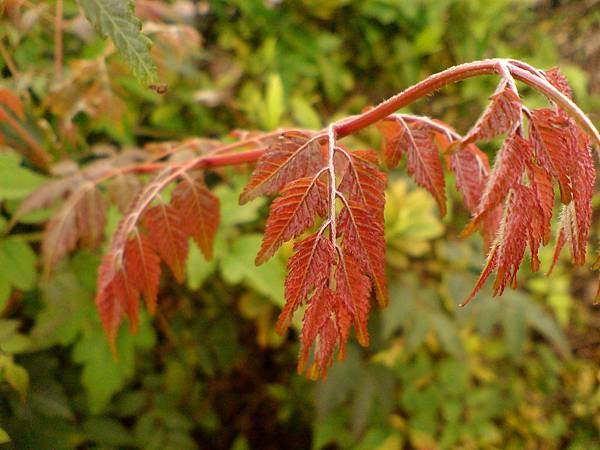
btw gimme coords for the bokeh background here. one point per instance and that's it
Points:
(208, 371)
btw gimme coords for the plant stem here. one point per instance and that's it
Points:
(58, 44)
(520, 71)
(38, 156)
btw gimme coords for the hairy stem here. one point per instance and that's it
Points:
(331, 170)
(520, 71)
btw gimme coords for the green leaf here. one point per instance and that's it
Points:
(17, 182)
(107, 431)
(304, 114)
(232, 213)
(17, 377)
(11, 341)
(102, 375)
(274, 100)
(4, 290)
(115, 19)
(237, 265)
(4, 437)
(18, 263)
(197, 268)
(447, 334)
(68, 306)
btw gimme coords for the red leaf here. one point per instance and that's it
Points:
(508, 169)
(293, 155)
(560, 242)
(143, 268)
(583, 179)
(499, 117)
(490, 265)
(198, 209)
(512, 239)
(109, 309)
(360, 221)
(472, 170)
(559, 81)
(292, 213)
(363, 238)
(165, 231)
(353, 291)
(541, 182)
(424, 163)
(363, 182)
(318, 321)
(550, 135)
(126, 295)
(396, 140)
(309, 268)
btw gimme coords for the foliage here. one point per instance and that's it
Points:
(117, 20)
(208, 370)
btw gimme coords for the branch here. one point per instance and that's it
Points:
(519, 70)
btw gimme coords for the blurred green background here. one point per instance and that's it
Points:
(208, 372)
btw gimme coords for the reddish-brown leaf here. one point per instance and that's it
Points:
(508, 169)
(561, 240)
(424, 163)
(294, 155)
(123, 189)
(549, 132)
(499, 117)
(125, 294)
(360, 222)
(91, 217)
(363, 182)
(165, 231)
(143, 268)
(541, 183)
(512, 239)
(60, 235)
(318, 321)
(308, 269)
(396, 140)
(490, 265)
(559, 81)
(471, 169)
(363, 238)
(292, 214)
(109, 309)
(353, 291)
(583, 179)
(198, 209)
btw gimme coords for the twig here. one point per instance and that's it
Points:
(58, 38)
(8, 59)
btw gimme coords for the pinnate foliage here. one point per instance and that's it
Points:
(115, 19)
(330, 200)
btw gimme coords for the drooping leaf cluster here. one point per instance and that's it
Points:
(331, 202)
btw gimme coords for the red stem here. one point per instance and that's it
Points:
(406, 97)
(229, 159)
(520, 71)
